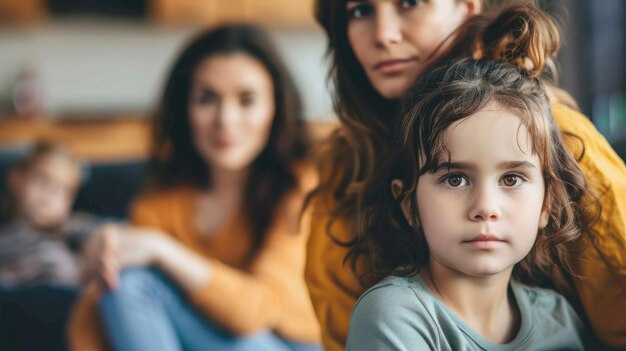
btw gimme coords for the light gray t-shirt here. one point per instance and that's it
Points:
(401, 313)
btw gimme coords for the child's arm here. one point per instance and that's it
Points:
(390, 317)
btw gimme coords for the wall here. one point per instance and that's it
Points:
(96, 66)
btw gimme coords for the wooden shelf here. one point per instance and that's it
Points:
(108, 138)
(22, 11)
(212, 12)
(297, 13)
(99, 140)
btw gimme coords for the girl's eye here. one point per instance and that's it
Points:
(359, 11)
(409, 3)
(454, 181)
(511, 180)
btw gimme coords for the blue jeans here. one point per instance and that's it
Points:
(148, 312)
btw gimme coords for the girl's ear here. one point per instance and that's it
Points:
(544, 218)
(396, 190)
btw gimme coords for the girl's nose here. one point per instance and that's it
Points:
(485, 205)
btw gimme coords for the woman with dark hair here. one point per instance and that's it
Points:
(378, 48)
(218, 255)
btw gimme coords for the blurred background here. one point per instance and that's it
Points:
(88, 73)
(110, 56)
(592, 61)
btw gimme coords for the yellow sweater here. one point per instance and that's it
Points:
(268, 293)
(334, 288)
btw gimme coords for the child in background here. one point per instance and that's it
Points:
(38, 233)
(484, 196)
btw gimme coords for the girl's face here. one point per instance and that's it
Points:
(46, 191)
(481, 212)
(231, 108)
(394, 39)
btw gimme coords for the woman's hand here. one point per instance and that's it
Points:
(141, 247)
(114, 247)
(100, 256)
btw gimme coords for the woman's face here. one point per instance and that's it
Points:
(394, 39)
(231, 108)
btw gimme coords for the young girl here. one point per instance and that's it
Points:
(484, 193)
(378, 48)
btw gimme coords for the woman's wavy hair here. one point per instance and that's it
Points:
(450, 93)
(357, 154)
(351, 153)
(174, 158)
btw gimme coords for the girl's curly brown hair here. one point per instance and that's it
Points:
(452, 92)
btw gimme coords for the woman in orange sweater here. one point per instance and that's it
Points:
(216, 259)
(378, 48)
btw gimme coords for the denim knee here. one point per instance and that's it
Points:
(140, 282)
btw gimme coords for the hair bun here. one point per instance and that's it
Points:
(521, 35)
